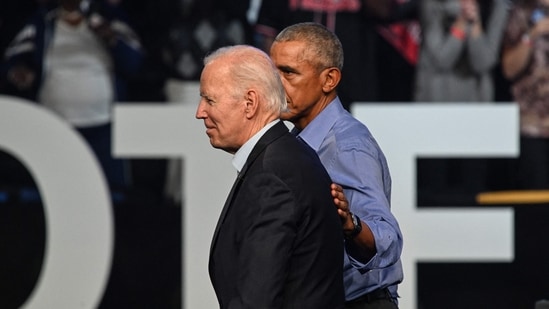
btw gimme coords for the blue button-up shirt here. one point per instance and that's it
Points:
(354, 160)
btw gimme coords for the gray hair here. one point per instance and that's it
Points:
(324, 44)
(251, 67)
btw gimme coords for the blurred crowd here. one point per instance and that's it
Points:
(436, 51)
(176, 34)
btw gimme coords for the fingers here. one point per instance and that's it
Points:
(337, 191)
(339, 198)
(335, 186)
(342, 206)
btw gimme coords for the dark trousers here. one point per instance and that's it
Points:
(100, 140)
(374, 304)
(378, 299)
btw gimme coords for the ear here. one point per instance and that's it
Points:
(252, 103)
(331, 77)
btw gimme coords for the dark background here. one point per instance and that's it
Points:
(146, 271)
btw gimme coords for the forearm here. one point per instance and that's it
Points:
(483, 54)
(485, 43)
(361, 246)
(367, 191)
(378, 245)
(516, 58)
(443, 46)
(19, 67)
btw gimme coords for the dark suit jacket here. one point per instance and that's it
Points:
(278, 242)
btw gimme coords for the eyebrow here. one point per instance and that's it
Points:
(286, 68)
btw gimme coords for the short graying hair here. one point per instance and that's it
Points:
(324, 44)
(251, 67)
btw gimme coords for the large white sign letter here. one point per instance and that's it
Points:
(79, 223)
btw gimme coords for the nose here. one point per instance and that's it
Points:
(200, 112)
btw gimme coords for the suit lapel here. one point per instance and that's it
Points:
(225, 209)
(272, 134)
(277, 131)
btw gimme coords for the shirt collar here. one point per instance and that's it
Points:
(313, 134)
(242, 154)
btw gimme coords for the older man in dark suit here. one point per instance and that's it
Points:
(278, 242)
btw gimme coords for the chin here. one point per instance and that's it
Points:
(213, 143)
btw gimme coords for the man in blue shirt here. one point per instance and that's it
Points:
(310, 59)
